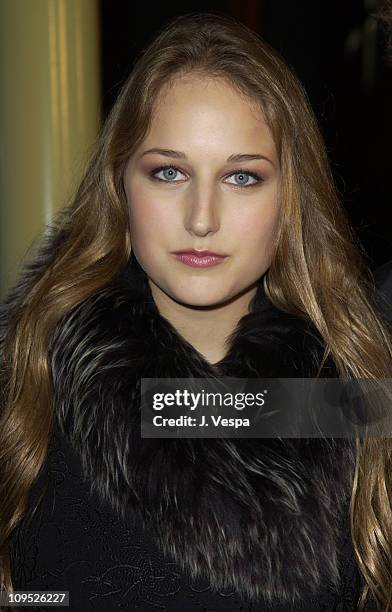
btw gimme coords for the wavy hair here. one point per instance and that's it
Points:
(318, 271)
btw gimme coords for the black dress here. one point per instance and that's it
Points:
(76, 543)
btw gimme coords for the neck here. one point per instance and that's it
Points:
(206, 328)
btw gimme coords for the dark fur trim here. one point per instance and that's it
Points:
(262, 516)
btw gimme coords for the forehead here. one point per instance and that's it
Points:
(208, 113)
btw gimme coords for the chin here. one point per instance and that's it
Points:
(201, 298)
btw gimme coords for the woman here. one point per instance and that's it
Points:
(212, 146)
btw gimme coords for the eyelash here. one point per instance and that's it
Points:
(254, 175)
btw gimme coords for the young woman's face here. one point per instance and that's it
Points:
(204, 199)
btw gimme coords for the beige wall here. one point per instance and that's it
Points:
(49, 114)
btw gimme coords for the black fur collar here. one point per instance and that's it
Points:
(260, 516)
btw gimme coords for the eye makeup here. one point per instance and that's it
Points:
(257, 178)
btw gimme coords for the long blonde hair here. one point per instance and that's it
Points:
(318, 270)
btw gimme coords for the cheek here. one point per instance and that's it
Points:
(148, 219)
(257, 228)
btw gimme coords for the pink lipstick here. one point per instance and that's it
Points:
(199, 259)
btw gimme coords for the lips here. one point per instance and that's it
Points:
(199, 259)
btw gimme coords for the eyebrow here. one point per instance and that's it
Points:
(238, 157)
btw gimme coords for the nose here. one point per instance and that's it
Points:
(202, 213)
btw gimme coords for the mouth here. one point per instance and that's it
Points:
(199, 259)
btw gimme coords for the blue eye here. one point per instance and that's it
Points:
(243, 178)
(169, 173)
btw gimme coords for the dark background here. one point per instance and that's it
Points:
(337, 48)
